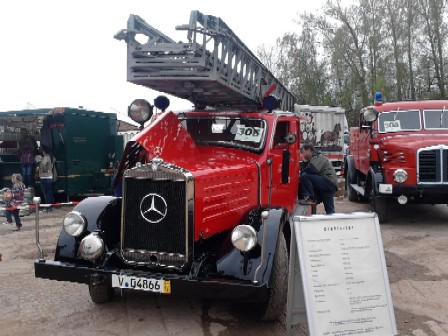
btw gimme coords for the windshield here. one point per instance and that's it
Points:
(238, 132)
(436, 119)
(399, 121)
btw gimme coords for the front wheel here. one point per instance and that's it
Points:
(351, 193)
(101, 293)
(351, 178)
(276, 304)
(379, 205)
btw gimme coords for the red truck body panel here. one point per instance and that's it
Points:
(228, 182)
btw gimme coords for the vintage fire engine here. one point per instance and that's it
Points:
(399, 152)
(205, 196)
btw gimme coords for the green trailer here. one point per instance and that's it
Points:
(85, 143)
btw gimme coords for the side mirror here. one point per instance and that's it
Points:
(290, 138)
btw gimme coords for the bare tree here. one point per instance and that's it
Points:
(432, 14)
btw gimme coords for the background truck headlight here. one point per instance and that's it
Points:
(400, 175)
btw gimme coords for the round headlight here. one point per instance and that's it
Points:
(74, 223)
(140, 111)
(244, 237)
(400, 175)
(370, 115)
(91, 247)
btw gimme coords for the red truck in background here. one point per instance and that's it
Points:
(399, 153)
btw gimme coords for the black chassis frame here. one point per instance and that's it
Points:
(236, 271)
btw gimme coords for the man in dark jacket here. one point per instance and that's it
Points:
(318, 179)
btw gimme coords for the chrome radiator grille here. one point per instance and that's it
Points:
(155, 220)
(433, 165)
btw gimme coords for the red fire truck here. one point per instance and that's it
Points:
(205, 196)
(399, 153)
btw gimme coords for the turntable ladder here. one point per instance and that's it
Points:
(214, 68)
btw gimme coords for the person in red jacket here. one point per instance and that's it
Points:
(13, 198)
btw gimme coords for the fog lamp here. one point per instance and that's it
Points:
(91, 247)
(400, 175)
(74, 223)
(402, 199)
(244, 237)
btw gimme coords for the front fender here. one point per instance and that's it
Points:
(102, 213)
(377, 179)
(242, 266)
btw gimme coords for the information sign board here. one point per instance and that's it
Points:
(344, 275)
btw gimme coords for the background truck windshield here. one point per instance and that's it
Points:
(436, 119)
(399, 121)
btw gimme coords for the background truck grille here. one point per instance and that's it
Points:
(433, 165)
(159, 239)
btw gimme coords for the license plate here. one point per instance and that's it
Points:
(385, 188)
(138, 283)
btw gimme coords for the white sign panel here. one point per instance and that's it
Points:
(344, 275)
(392, 126)
(249, 133)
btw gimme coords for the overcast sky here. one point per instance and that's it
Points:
(62, 53)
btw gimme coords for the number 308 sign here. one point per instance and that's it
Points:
(249, 133)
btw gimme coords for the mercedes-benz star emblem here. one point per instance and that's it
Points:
(153, 208)
(157, 151)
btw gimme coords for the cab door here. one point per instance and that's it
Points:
(284, 169)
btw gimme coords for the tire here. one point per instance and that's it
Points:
(101, 293)
(275, 306)
(379, 205)
(351, 193)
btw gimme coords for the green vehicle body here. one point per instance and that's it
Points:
(85, 143)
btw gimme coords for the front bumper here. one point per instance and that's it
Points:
(423, 193)
(180, 284)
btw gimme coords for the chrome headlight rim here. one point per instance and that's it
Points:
(91, 247)
(74, 223)
(244, 237)
(400, 175)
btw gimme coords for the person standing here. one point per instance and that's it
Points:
(27, 151)
(318, 179)
(13, 198)
(46, 176)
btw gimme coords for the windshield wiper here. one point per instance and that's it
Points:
(396, 113)
(441, 117)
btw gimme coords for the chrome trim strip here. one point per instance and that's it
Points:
(439, 148)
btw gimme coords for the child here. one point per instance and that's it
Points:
(13, 198)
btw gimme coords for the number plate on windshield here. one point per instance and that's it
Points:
(145, 284)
